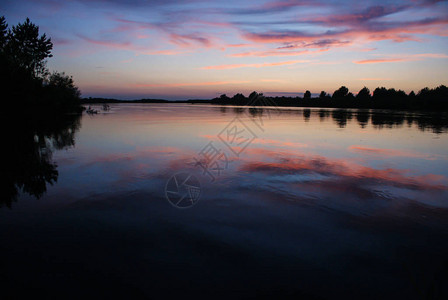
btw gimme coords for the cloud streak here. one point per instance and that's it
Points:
(378, 60)
(262, 65)
(187, 84)
(401, 58)
(232, 35)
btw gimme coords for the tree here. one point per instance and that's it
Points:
(61, 93)
(24, 77)
(363, 94)
(379, 93)
(239, 99)
(424, 92)
(307, 95)
(3, 32)
(322, 94)
(27, 49)
(253, 96)
(64, 82)
(224, 98)
(341, 92)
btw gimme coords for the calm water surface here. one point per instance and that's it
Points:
(311, 203)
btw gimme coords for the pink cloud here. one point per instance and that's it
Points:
(368, 49)
(238, 45)
(431, 55)
(401, 58)
(235, 66)
(350, 27)
(374, 79)
(164, 52)
(130, 46)
(190, 84)
(108, 44)
(277, 52)
(187, 40)
(271, 80)
(378, 60)
(126, 61)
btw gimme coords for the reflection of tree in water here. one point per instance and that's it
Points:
(379, 119)
(426, 121)
(306, 114)
(323, 114)
(363, 116)
(340, 116)
(388, 120)
(256, 112)
(223, 109)
(436, 122)
(28, 164)
(238, 110)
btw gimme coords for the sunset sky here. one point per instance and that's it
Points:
(201, 49)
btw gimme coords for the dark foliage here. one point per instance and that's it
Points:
(25, 81)
(3, 31)
(323, 95)
(307, 95)
(340, 93)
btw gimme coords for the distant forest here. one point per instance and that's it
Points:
(435, 99)
(425, 99)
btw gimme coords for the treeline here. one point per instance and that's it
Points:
(25, 82)
(425, 99)
(91, 100)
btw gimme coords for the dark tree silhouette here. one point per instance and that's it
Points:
(224, 98)
(426, 99)
(24, 78)
(307, 95)
(60, 80)
(363, 94)
(3, 32)
(253, 96)
(322, 95)
(389, 98)
(239, 98)
(340, 93)
(27, 49)
(434, 98)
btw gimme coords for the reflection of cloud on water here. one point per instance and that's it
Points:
(393, 152)
(314, 177)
